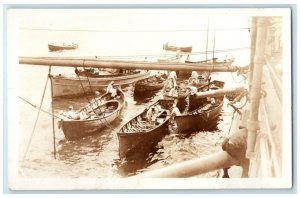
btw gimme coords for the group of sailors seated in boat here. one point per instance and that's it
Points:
(172, 87)
(71, 114)
(154, 112)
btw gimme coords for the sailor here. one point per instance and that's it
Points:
(151, 115)
(171, 81)
(96, 71)
(193, 90)
(194, 78)
(211, 100)
(110, 89)
(173, 128)
(71, 114)
(158, 108)
(97, 93)
(175, 111)
(83, 115)
(173, 92)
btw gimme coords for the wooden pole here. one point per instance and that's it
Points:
(255, 92)
(53, 127)
(71, 62)
(194, 167)
(252, 52)
(220, 92)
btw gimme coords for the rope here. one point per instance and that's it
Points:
(166, 30)
(92, 105)
(36, 119)
(238, 98)
(110, 126)
(151, 55)
(239, 73)
(38, 107)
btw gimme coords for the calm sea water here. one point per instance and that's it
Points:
(97, 156)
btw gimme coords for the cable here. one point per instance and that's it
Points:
(96, 100)
(146, 55)
(91, 104)
(33, 105)
(166, 30)
(30, 139)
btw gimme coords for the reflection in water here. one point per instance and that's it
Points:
(144, 97)
(182, 145)
(72, 152)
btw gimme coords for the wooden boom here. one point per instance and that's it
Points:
(72, 62)
(220, 92)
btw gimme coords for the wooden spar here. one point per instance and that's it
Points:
(255, 92)
(220, 92)
(253, 41)
(193, 167)
(52, 108)
(72, 62)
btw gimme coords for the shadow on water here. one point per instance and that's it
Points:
(137, 161)
(172, 144)
(145, 97)
(72, 152)
(134, 163)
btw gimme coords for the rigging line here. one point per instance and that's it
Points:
(24, 157)
(33, 105)
(97, 101)
(146, 55)
(214, 44)
(171, 55)
(91, 105)
(95, 30)
(207, 39)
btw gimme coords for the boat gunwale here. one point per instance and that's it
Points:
(203, 113)
(76, 78)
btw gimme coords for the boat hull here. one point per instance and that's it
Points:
(202, 121)
(150, 84)
(187, 49)
(141, 141)
(62, 47)
(77, 129)
(130, 143)
(73, 86)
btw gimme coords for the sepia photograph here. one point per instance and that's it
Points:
(177, 98)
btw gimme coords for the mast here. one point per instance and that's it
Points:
(214, 41)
